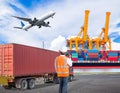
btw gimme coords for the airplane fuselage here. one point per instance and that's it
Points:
(44, 17)
(36, 22)
(26, 27)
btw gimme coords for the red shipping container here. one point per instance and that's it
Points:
(74, 59)
(104, 54)
(112, 58)
(92, 56)
(69, 51)
(20, 60)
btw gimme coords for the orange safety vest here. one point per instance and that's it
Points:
(62, 67)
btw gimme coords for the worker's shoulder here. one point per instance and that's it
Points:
(62, 56)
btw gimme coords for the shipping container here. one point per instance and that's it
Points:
(119, 58)
(18, 60)
(74, 59)
(92, 56)
(20, 65)
(112, 58)
(81, 58)
(93, 51)
(98, 59)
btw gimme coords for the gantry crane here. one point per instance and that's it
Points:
(82, 36)
(103, 39)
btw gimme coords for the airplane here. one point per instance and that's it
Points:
(35, 22)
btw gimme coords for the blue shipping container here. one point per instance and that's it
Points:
(73, 51)
(112, 54)
(94, 51)
(80, 56)
(80, 59)
(119, 59)
(93, 59)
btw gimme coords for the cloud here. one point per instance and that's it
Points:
(72, 18)
(67, 21)
(4, 9)
(15, 8)
(58, 43)
(115, 46)
(114, 34)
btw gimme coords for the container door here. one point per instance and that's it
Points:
(6, 60)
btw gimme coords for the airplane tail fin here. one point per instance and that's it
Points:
(22, 24)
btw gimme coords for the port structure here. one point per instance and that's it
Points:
(82, 37)
(102, 41)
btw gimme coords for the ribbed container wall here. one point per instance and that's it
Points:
(6, 60)
(93, 55)
(81, 55)
(103, 55)
(26, 60)
(113, 55)
(93, 51)
(74, 56)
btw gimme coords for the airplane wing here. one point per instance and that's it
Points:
(25, 19)
(18, 27)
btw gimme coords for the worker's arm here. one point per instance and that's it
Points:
(69, 62)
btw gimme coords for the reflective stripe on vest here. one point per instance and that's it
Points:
(62, 67)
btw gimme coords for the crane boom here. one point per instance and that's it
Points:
(86, 25)
(82, 38)
(106, 26)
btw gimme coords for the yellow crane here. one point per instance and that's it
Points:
(103, 39)
(82, 36)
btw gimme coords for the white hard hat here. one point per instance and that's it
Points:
(64, 49)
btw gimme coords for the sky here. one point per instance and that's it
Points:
(66, 22)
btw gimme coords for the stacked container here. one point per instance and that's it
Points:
(113, 55)
(81, 55)
(93, 55)
(119, 56)
(103, 55)
(74, 55)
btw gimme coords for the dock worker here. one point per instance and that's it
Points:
(62, 65)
